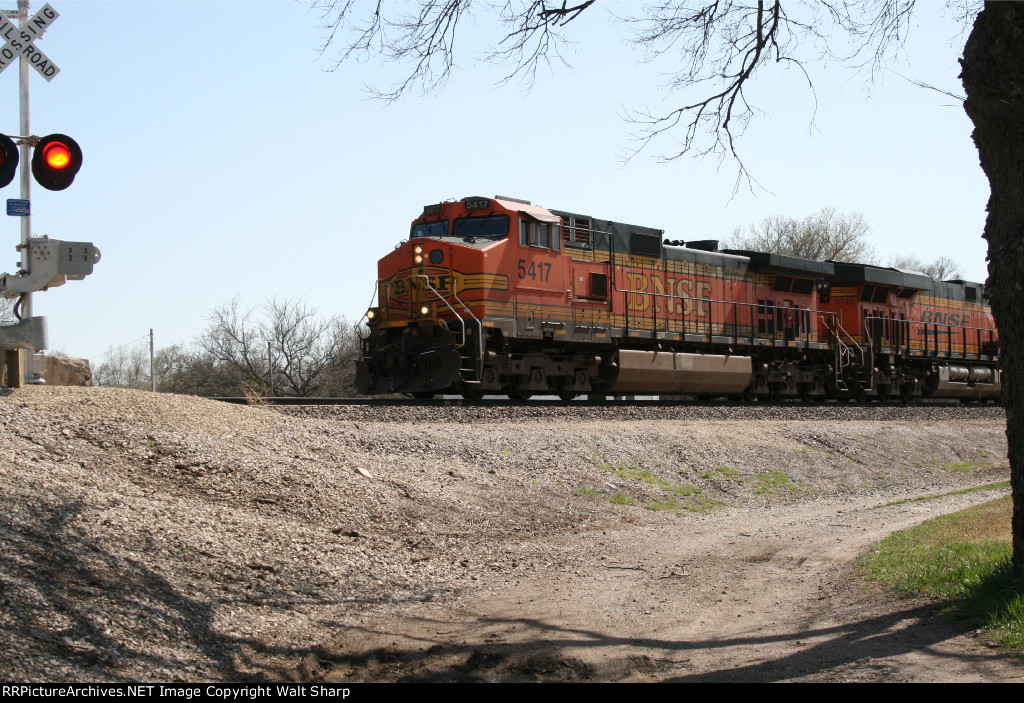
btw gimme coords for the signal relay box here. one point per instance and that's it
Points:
(52, 262)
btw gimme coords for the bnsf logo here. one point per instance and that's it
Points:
(441, 280)
(953, 319)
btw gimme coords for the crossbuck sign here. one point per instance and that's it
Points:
(19, 42)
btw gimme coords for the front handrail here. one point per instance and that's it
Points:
(478, 367)
(462, 322)
(376, 292)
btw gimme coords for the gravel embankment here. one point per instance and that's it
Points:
(156, 537)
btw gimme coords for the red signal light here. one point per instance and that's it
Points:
(57, 155)
(56, 161)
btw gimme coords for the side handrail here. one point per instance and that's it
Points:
(938, 330)
(733, 303)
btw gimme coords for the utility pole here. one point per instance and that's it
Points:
(26, 150)
(270, 367)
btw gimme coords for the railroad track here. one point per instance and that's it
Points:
(584, 403)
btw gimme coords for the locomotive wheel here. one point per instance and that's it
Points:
(515, 394)
(567, 395)
(470, 391)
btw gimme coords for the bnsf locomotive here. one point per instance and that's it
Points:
(498, 296)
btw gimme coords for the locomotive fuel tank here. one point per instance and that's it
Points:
(674, 373)
(967, 382)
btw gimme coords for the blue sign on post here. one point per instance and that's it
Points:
(18, 208)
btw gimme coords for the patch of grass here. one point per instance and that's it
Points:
(620, 499)
(728, 472)
(681, 490)
(632, 472)
(773, 482)
(967, 466)
(962, 559)
(701, 505)
(962, 491)
(960, 467)
(586, 491)
(664, 505)
(722, 472)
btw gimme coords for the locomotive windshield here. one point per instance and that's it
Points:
(491, 227)
(430, 229)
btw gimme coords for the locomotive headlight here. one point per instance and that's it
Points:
(417, 249)
(371, 314)
(425, 310)
(418, 259)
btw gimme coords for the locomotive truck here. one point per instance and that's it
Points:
(498, 296)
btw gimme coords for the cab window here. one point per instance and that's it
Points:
(491, 227)
(430, 229)
(543, 235)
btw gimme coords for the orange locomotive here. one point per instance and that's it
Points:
(498, 296)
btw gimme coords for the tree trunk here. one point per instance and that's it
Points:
(993, 77)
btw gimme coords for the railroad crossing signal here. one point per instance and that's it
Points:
(55, 161)
(19, 42)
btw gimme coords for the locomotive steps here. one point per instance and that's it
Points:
(159, 537)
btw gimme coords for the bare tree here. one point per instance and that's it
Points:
(283, 344)
(192, 371)
(721, 47)
(423, 35)
(827, 235)
(717, 49)
(123, 367)
(942, 269)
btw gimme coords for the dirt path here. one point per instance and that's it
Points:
(752, 595)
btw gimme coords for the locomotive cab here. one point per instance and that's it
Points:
(433, 293)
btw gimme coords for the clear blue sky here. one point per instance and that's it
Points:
(222, 158)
